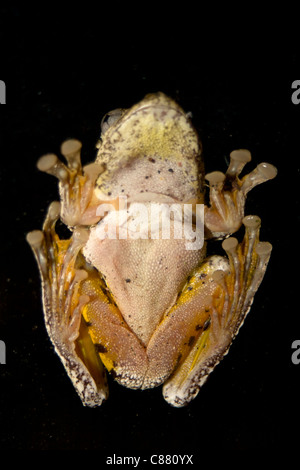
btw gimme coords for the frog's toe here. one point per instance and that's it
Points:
(63, 306)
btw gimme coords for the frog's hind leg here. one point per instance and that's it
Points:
(228, 193)
(63, 304)
(228, 305)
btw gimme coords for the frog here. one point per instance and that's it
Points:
(144, 311)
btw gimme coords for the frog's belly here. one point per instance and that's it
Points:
(144, 276)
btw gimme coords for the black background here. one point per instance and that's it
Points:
(61, 78)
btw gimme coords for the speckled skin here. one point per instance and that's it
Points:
(154, 138)
(149, 311)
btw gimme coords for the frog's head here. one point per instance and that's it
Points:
(149, 148)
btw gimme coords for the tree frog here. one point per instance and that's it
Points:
(149, 310)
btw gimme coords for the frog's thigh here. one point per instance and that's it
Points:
(182, 326)
(229, 305)
(120, 350)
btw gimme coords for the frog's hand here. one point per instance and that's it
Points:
(76, 184)
(229, 306)
(63, 305)
(228, 193)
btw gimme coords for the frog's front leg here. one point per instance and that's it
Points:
(228, 305)
(228, 193)
(60, 265)
(76, 184)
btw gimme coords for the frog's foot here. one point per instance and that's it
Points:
(229, 304)
(228, 193)
(61, 279)
(76, 183)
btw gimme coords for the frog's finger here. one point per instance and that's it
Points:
(76, 183)
(229, 306)
(228, 193)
